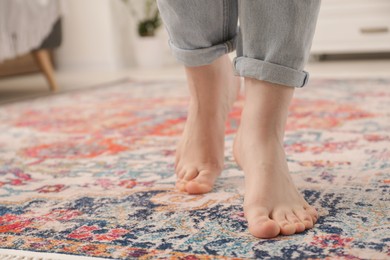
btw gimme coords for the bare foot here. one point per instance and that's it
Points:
(200, 152)
(272, 203)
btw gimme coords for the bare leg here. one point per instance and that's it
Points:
(199, 156)
(272, 204)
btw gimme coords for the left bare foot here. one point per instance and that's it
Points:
(272, 203)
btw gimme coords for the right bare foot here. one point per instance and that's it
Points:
(200, 152)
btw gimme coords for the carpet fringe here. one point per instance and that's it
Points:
(11, 254)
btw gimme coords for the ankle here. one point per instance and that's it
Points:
(208, 112)
(266, 95)
(214, 71)
(262, 124)
(265, 141)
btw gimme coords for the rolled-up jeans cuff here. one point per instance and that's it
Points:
(271, 72)
(202, 56)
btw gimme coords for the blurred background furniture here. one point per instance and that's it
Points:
(29, 31)
(43, 57)
(352, 27)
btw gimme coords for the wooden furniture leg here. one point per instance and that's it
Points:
(42, 57)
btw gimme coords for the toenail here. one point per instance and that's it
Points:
(300, 225)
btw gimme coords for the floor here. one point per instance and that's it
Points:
(33, 85)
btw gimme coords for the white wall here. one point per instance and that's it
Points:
(100, 35)
(87, 36)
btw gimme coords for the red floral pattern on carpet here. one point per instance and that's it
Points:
(90, 173)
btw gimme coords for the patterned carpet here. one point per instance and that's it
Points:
(91, 173)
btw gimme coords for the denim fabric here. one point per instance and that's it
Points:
(272, 41)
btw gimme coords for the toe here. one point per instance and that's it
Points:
(264, 227)
(202, 183)
(286, 227)
(313, 213)
(194, 187)
(190, 174)
(181, 173)
(180, 185)
(299, 226)
(259, 223)
(304, 217)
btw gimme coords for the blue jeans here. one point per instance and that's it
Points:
(272, 41)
